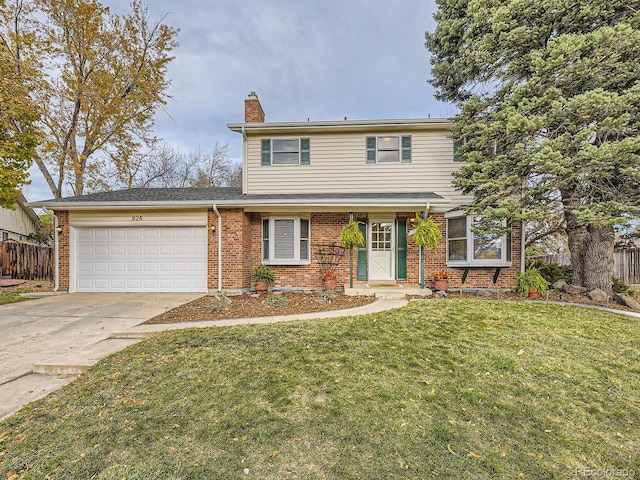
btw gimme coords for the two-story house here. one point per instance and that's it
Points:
(302, 182)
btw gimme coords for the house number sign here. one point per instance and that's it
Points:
(136, 218)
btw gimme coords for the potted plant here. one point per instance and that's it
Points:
(441, 279)
(530, 283)
(351, 237)
(425, 232)
(330, 277)
(263, 276)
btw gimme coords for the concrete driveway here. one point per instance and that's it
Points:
(62, 335)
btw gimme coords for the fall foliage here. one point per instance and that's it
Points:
(101, 79)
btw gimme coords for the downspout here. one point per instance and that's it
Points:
(244, 162)
(219, 230)
(56, 247)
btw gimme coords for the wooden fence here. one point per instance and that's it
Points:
(626, 263)
(26, 261)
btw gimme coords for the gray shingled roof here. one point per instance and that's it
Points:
(155, 195)
(226, 195)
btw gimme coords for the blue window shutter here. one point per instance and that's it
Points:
(406, 149)
(305, 150)
(371, 149)
(362, 252)
(266, 151)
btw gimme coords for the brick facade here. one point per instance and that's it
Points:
(326, 228)
(63, 249)
(242, 250)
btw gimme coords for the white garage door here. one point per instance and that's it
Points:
(146, 259)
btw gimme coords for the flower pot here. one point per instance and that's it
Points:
(330, 284)
(261, 286)
(534, 293)
(441, 284)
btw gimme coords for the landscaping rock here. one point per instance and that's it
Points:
(254, 295)
(598, 295)
(484, 293)
(574, 289)
(559, 284)
(441, 294)
(626, 300)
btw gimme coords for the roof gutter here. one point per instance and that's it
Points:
(219, 230)
(243, 202)
(56, 242)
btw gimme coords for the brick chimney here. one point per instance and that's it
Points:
(253, 112)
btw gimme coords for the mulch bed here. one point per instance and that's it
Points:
(10, 283)
(16, 285)
(246, 306)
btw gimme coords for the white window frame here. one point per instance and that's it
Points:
(381, 150)
(269, 258)
(274, 153)
(506, 256)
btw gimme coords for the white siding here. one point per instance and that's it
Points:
(16, 222)
(338, 165)
(138, 218)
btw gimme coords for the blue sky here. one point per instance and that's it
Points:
(312, 59)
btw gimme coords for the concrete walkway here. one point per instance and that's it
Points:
(49, 341)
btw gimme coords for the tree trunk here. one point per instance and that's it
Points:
(599, 262)
(577, 238)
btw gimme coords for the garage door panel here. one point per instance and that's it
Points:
(142, 259)
(134, 267)
(102, 235)
(99, 267)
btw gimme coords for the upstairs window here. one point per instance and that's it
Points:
(468, 248)
(285, 241)
(285, 151)
(389, 149)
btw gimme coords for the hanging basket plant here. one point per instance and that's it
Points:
(351, 236)
(426, 232)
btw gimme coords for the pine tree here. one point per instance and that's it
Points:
(549, 97)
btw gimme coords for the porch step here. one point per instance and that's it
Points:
(388, 292)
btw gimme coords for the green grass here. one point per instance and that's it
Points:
(439, 389)
(11, 297)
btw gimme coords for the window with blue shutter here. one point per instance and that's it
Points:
(286, 241)
(389, 149)
(286, 151)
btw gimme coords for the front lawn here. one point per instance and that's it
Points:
(439, 389)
